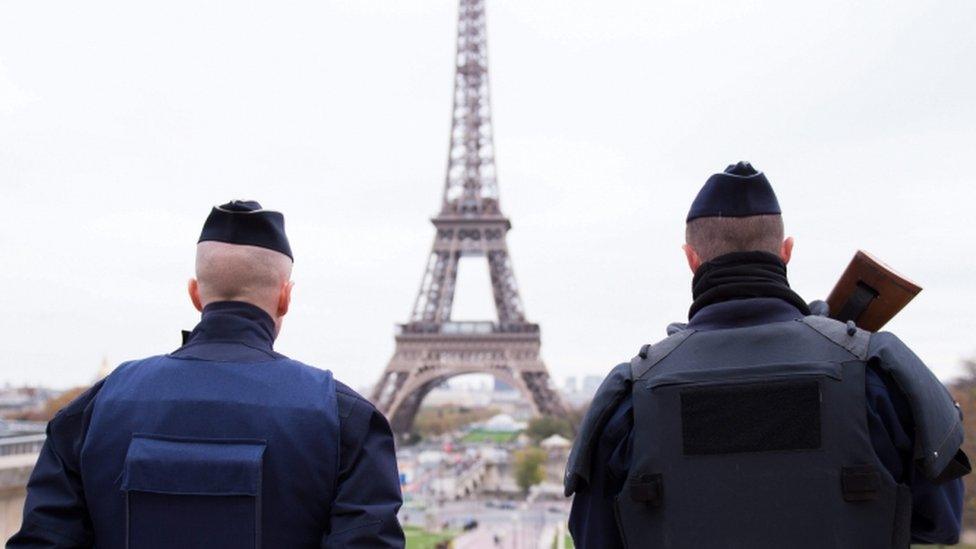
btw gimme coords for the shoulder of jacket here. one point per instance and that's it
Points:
(614, 389)
(78, 405)
(650, 354)
(349, 400)
(843, 334)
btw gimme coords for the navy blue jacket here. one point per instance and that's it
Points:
(936, 509)
(224, 439)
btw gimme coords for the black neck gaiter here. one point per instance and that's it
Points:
(742, 275)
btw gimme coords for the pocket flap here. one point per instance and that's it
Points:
(193, 466)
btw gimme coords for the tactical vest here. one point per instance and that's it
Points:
(204, 454)
(757, 437)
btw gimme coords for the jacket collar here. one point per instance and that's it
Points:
(741, 313)
(234, 322)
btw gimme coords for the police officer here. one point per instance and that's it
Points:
(758, 424)
(224, 442)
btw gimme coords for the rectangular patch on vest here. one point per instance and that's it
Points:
(751, 417)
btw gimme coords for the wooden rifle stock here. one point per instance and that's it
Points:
(870, 293)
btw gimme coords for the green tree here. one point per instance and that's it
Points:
(529, 467)
(54, 405)
(437, 420)
(546, 426)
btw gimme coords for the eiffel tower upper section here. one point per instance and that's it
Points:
(470, 189)
(470, 221)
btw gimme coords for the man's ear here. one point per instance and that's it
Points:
(786, 250)
(694, 261)
(194, 290)
(284, 298)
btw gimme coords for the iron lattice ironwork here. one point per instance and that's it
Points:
(431, 348)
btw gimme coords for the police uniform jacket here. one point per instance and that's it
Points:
(222, 443)
(936, 508)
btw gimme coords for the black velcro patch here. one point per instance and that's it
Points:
(753, 417)
(647, 488)
(860, 483)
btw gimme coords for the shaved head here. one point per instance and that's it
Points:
(234, 272)
(715, 236)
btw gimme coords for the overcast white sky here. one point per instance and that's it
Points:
(121, 123)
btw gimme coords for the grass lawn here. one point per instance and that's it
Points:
(478, 435)
(418, 538)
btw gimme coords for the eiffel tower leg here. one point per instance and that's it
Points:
(402, 417)
(447, 287)
(388, 388)
(547, 402)
(423, 360)
(508, 303)
(426, 306)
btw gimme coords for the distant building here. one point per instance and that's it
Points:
(557, 451)
(578, 391)
(446, 395)
(556, 443)
(503, 423)
(570, 386)
(24, 402)
(591, 384)
(502, 387)
(15, 399)
(14, 427)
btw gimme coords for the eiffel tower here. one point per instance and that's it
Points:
(431, 348)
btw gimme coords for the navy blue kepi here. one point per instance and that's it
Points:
(739, 191)
(246, 222)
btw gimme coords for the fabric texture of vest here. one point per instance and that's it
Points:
(758, 437)
(184, 452)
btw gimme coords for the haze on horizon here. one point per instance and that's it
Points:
(121, 124)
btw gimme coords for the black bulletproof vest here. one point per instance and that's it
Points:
(757, 437)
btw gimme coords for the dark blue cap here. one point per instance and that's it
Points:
(246, 222)
(739, 191)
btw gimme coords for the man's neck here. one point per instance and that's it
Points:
(270, 311)
(242, 329)
(213, 312)
(742, 275)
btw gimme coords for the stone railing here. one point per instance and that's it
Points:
(15, 470)
(23, 444)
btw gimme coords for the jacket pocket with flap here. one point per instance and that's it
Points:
(193, 492)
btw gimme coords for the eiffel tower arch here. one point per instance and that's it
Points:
(431, 347)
